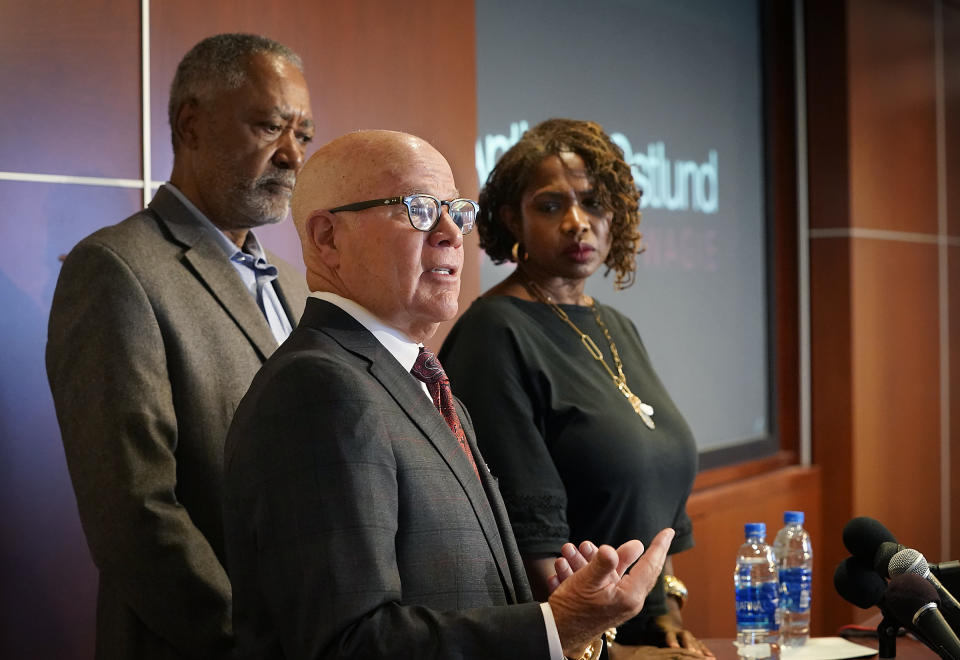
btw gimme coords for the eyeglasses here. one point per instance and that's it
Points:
(424, 210)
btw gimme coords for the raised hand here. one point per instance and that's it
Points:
(598, 595)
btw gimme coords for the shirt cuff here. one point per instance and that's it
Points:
(553, 637)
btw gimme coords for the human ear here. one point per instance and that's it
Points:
(512, 220)
(186, 124)
(321, 227)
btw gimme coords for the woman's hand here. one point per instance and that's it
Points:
(669, 631)
(621, 652)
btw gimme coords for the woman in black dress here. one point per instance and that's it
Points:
(569, 412)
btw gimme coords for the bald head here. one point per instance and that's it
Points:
(409, 279)
(356, 167)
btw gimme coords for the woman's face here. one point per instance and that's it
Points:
(565, 230)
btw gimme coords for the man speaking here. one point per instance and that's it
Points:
(361, 521)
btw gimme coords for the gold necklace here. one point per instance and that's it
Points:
(645, 410)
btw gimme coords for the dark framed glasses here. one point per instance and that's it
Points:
(424, 210)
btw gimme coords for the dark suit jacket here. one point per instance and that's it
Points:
(355, 525)
(153, 340)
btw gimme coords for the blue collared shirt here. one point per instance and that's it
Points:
(251, 264)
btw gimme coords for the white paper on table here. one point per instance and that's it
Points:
(826, 648)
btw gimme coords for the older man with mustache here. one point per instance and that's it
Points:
(158, 325)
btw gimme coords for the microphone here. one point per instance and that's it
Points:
(914, 602)
(858, 583)
(881, 560)
(911, 562)
(862, 536)
(869, 540)
(949, 573)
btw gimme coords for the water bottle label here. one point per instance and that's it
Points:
(795, 589)
(757, 607)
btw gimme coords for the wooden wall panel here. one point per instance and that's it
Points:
(875, 310)
(71, 85)
(893, 165)
(953, 261)
(951, 80)
(718, 516)
(832, 399)
(896, 402)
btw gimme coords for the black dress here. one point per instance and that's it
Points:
(574, 461)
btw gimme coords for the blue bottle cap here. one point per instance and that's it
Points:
(793, 517)
(755, 529)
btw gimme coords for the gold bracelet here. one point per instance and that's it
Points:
(593, 649)
(675, 587)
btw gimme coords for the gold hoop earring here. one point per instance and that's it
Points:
(515, 253)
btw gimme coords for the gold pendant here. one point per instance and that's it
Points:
(645, 410)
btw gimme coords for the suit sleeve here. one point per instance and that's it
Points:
(315, 485)
(108, 374)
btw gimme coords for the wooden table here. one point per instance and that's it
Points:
(907, 648)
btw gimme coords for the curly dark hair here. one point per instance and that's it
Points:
(604, 161)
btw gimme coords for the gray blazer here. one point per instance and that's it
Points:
(355, 525)
(153, 340)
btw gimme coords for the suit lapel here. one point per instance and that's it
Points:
(210, 265)
(503, 545)
(403, 388)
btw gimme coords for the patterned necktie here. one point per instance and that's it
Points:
(427, 369)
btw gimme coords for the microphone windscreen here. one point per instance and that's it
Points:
(862, 536)
(908, 593)
(906, 561)
(881, 560)
(857, 582)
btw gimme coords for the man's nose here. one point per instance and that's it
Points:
(290, 151)
(446, 233)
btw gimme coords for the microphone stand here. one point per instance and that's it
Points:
(887, 636)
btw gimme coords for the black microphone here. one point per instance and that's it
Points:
(911, 562)
(881, 559)
(949, 573)
(869, 540)
(857, 582)
(914, 602)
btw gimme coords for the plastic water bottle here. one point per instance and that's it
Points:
(757, 589)
(795, 563)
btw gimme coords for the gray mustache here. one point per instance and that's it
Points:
(282, 177)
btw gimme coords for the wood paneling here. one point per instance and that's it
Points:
(896, 385)
(953, 260)
(893, 165)
(832, 399)
(875, 303)
(951, 80)
(71, 87)
(718, 516)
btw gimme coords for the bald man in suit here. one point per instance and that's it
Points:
(361, 521)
